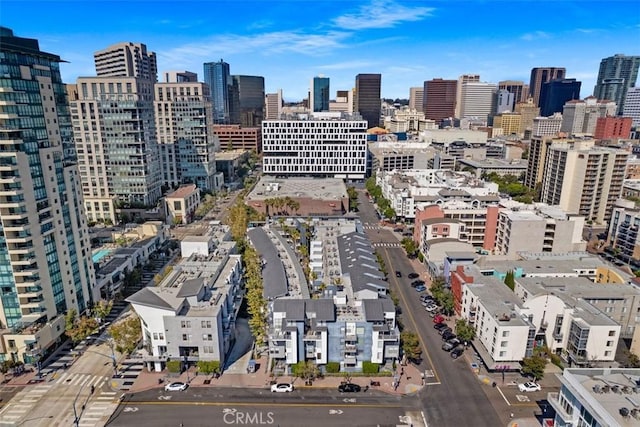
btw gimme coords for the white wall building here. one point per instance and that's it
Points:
(547, 125)
(478, 100)
(580, 116)
(321, 144)
(632, 105)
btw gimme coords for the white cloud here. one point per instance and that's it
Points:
(282, 42)
(536, 35)
(347, 65)
(381, 14)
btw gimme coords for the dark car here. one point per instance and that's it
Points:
(417, 283)
(457, 352)
(413, 275)
(443, 330)
(448, 336)
(349, 388)
(440, 326)
(398, 230)
(398, 273)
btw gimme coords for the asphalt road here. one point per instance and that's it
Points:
(453, 395)
(252, 407)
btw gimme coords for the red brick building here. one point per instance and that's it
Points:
(239, 138)
(613, 128)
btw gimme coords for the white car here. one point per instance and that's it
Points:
(282, 388)
(529, 387)
(175, 387)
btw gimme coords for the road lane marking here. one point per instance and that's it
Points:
(282, 404)
(504, 397)
(413, 320)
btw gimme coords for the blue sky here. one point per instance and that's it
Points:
(291, 41)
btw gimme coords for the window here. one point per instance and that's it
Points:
(607, 353)
(609, 343)
(505, 334)
(161, 336)
(207, 349)
(205, 324)
(186, 337)
(504, 343)
(155, 335)
(503, 353)
(185, 324)
(612, 333)
(207, 337)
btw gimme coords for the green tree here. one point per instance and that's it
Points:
(510, 280)
(390, 213)
(534, 366)
(447, 302)
(126, 334)
(256, 303)
(81, 328)
(410, 345)
(102, 309)
(70, 318)
(306, 370)
(464, 330)
(409, 246)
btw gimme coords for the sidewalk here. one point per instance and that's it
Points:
(410, 382)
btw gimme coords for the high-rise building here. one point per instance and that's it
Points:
(186, 141)
(440, 99)
(541, 75)
(613, 128)
(632, 105)
(343, 102)
(508, 122)
(465, 78)
(537, 155)
(519, 90)
(504, 101)
(45, 252)
(477, 100)
(319, 96)
(528, 111)
(273, 105)
(617, 74)
(126, 60)
(556, 93)
(584, 181)
(246, 100)
(547, 125)
(580, 116)
(416, 99)
(367, 98)
(218, 79)
(115, 136)
(324, 144)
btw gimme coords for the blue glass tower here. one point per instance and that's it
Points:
(320, 94)
(218, 78)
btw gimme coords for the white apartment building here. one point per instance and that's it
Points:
(126, 60)
(543, 126)
(191, 314)
(320, 144)
(539, 228)
(478, 100)
(585, 181)
(464, 78)
(580, 117)
(186, 139)
(182, 204)
(632, 105)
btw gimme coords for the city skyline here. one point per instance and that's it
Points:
(288, 44)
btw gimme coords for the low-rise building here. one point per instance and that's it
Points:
(624, 229)
(306, 197)
(182, 204)
(597, 397)
(191, 315)
(498, 166)
(231, 162)
(237, 137)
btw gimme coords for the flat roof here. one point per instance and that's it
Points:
(273, 275)
(230, 154)
(314, 188)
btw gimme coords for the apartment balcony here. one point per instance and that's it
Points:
(554, 401)
(558, 336)
(20, 261)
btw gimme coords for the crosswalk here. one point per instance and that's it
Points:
(386, 245)
(94, 413)
(80, 380)
(372, 227)
(22, 403)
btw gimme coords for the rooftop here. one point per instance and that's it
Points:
(314, 188)
(273, 274)
(183, 191)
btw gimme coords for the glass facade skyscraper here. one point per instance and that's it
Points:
(45, 252)
(218, 78)
(367, 99)
(319, 94)
(247, 101)
(617, 74)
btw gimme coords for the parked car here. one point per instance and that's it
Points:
(457, 352)
(443, 330)
(439, 326)
(417, 283)
(420, 288)
(450, 345)
(448, 336)
(398, 230)
(431, 307)
(398, 273)
(282, 388)
(438, 318)
(426, 298)
(175, 387)
(349, 388)
(529, 386)
(413, 275)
